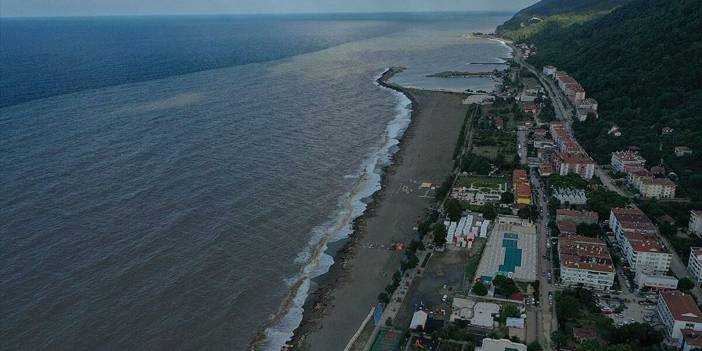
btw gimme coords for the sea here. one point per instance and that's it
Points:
(173, 183)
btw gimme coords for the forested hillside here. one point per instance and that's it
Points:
(535, 18)
(642, 63)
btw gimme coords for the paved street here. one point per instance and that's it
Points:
(546, 315)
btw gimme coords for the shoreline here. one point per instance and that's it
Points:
(321, 298)
(340, 250)
(318, 298)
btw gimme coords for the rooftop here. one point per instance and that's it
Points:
(682, 306)
(581, 252)
(628, 156)
(578, 214)
(567, 227)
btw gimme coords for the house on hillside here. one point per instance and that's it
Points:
(681, 151)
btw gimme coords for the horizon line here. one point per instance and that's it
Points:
(258, 14)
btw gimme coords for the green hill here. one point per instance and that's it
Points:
(642, 63)
(563, 13)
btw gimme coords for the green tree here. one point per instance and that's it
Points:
(559, 338)
(508, 311)
(479, 289)
(524, 212)
(507, 197)
(592, 230)
(534, 346)
(440, 234)
(454, 210)
(489, 212)
(686, 284)
(505, 286)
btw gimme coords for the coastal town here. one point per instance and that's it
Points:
(532, 245)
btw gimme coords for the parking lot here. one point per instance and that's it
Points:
(629, 308)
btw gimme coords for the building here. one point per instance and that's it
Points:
(583, 112)
(500, 345)
(655, 281)
(694, 264)
(657, 188)
(585, 261)
(463, 233)
(484, 314)
(578, 217)
(644, 252)
(499, 123)
(622, 159)
(678, 311)
(695, 225)
(578, 162)
(629, 220)
(521, 187)
(692, 340)
(567, 227)
(681, 151)
(419, 320)
(533, 108)
(588, 103)
(582, 335)
(570, 196)
(549, 71)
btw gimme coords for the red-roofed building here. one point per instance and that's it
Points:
(622, 159)
(694, 264)
(578, 162)
(678, 311)
(692, 340)
(585, 261)
(695, 224)
(567, 227)
(587, 217)
(657, 188)
(644, 252)
(533, 108)
(521, 187)
(582, 335)
(499, 123)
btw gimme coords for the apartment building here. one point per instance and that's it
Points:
(585, 261)
(678, 311)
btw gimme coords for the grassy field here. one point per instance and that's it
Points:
(482, 182)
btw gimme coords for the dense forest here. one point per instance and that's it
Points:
(642, 63)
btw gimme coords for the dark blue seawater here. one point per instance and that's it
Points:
(168, 183)
(46, 57)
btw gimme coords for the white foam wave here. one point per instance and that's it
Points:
(351, 206)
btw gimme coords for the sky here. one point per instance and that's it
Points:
(21, 8)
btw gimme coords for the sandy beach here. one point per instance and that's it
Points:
(362, 268)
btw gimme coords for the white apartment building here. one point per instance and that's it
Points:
(695, 225)
(694, 264)
(678, 311)
(657, 188)
(643, 252)
(630, 220)
(621, 159)
(585, 261)
(549, 70)
(655, 280)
